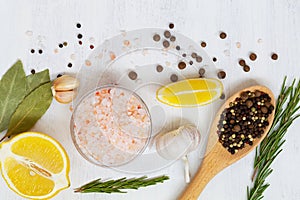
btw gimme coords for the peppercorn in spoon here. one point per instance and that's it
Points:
(239, 126)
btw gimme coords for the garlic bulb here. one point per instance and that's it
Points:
(64, 88)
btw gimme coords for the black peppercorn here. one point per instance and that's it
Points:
(79, 36)
(244, 120)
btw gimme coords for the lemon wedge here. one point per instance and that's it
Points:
(34, 165)
(190, 92)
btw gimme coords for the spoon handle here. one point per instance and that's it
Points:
(212, 164)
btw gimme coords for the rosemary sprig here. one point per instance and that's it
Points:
(286, 112)
(116, 186)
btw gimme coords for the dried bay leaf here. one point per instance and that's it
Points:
(30, 110)
(12, 92)
(36, 80)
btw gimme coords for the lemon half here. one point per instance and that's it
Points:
(34, 165)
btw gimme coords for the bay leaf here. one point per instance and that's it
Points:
(36, 80)
(30, 110)
(12, 92)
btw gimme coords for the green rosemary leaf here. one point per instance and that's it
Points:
(286, 113)
(117, 186)
(13, 88)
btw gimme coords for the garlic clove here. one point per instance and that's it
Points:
(65, 83)
(65, 96)
(177, 143)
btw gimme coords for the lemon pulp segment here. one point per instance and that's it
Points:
(39, 151)
(27, 181)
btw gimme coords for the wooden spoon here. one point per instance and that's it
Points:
(218, 157)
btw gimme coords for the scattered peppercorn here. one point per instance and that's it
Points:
(221, 74)
(222, 96)
(166, 43)
(79, 36)
(174, 78)
(78, 25)
(132, 75)
(69, 65)
(246, 68)
(194, 55)
(244, 120)
(199, 59)
(40, 51)
(32, 71)
(191, 62)
(252, 56)
(183, 55)
(214, 59)
(274, 56)
(177, 48)
(167, 34)
(242, 62)
(171, 25)
(223, 35)
(159, 68)
(80, 42)
(58, 75)
(60, 45)
(91, 46)
(32, 50)
(181, 65)
(201, 71)
(156, 37)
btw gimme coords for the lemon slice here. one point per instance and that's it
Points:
(34, 165)
(190, 92)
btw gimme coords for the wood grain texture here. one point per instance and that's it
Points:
(259, 26)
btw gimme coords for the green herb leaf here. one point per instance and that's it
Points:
(13, 90)
(117, 186)
(36, 80)
(286, 112)
(30, 110)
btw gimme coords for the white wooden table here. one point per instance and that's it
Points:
(259, 26)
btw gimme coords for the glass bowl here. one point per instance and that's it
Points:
(111, 126)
